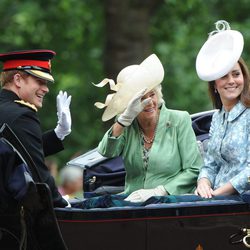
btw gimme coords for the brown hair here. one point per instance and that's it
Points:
(245, 94)
(7, 76)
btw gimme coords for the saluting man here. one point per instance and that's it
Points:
(25, 81)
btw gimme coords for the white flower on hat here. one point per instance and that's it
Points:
(220, 25)
(219, 53)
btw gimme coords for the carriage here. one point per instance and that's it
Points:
(181, 222)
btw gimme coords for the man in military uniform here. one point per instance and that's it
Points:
(25, 82)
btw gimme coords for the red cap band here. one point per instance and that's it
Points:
(13, 64)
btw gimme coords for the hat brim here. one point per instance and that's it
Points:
(219, 54)
(40, 74)
(149, 74)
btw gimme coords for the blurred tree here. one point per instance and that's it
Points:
(127, 33)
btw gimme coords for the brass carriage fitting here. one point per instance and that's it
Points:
(245, 239)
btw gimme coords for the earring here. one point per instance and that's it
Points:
(215, 90)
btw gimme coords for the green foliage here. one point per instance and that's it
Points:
(76, 31)
(178, 30)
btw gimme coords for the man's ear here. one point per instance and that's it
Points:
(17, 79)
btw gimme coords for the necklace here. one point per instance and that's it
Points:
(146, 149)
(147, 140)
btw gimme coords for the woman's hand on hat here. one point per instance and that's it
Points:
(135, 106)
(63, 127)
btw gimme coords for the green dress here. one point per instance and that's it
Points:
(174, 159)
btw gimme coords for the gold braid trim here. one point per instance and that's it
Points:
(32, 106)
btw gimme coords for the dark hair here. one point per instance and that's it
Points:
(7, 76)
(245, 94)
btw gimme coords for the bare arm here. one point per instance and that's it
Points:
(226, 189)
(117, 129)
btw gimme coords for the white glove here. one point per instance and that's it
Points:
(63, 127)
(135, 106)
(142, 195)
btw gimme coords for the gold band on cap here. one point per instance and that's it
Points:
(41, 74)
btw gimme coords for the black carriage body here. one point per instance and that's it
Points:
(171, 226)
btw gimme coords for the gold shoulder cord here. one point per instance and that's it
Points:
(27, 104)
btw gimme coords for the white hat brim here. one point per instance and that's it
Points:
(219, 54)
(148, 74)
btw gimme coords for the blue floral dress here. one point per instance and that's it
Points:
(228, 156)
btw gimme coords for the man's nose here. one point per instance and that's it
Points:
(45, 88)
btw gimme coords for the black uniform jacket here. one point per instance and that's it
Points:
(24, 121)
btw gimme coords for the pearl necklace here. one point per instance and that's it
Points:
(145, 139)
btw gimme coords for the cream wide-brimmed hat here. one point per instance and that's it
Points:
(130, 81)
(219, 53)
